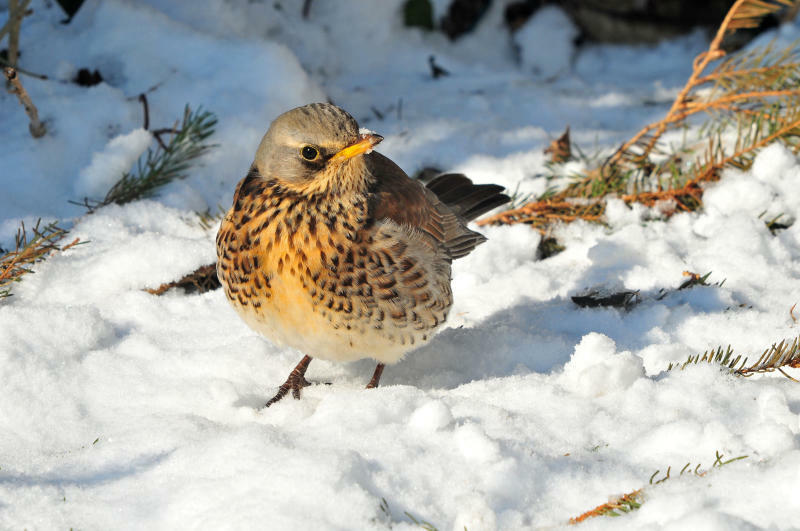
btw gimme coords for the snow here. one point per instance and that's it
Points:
(123, 410)
(118, 156)
(596, 369)
(552, 26)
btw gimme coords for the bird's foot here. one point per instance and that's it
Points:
(376, 376)
(294, 383)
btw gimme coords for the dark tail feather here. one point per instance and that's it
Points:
(464, 245)
(464, 198)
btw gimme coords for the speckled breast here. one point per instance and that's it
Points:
(314, 275)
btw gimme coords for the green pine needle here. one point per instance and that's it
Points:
(167, 162)
(777, 357)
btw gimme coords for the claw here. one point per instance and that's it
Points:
(294, 383)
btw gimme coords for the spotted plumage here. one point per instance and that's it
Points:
(331, 249)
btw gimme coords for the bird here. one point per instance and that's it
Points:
(332, 249)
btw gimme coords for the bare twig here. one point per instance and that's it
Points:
(27, 72)
(143, 99)
(36, 127)
(16, 12)
(13, 32)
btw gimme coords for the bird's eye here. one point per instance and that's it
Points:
(309, 153)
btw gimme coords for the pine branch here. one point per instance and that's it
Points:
(167, 162)
(775, 358)
(43, 241)
(544, 212)
(752, 97)
(633, 500)
(743, 14)
(623, 504)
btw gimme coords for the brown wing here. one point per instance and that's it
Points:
(410, 204)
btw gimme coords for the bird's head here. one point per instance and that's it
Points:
(315, 148)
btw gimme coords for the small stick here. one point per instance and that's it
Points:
(36, 127)
(307, 8)
(7, 26)
(143, 99)
(15, 19)
(26, 72)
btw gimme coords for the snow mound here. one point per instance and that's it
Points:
(596, 368)
(107, 166)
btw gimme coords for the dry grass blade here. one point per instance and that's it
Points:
(27, 251)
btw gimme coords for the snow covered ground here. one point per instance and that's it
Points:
(123, 410)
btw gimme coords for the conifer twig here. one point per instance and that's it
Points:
(752, 94)
(168, 162)
(27, 251)
(743, 14)
(625, 503)
(633, 500)
(776, 357)
(36, 127)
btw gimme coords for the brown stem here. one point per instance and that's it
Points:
(36, 127)
(15, 19)
(10, 22)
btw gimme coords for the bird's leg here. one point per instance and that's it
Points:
(376, 376)
(294, 382)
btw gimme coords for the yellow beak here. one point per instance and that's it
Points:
(364, 145)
